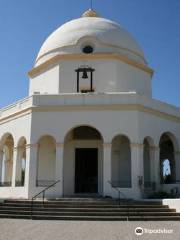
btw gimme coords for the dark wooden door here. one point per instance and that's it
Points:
(86, 170)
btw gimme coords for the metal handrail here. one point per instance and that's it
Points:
(119, 197)
(43, 192)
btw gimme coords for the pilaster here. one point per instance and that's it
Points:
(59, 167)
(107, 169)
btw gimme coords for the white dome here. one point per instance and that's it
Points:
(109, 36)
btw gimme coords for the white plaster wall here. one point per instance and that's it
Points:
(59, 123)
(109, 76)
(46, 159)
(18, 127)
(46, 82)
(154, 126)
(104, 77)
(173, 203)
(121, 161)
(130, 78)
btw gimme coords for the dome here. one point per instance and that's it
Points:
(105, 35)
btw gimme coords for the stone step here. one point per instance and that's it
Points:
(84, 205)
(87, 200)
(46, 213)
(67, 209)
(75, 201)
(95, 218)
(88, 209)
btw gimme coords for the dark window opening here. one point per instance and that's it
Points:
(88, 49)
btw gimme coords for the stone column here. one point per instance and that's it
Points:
(157, 169)
(31, 168)
(107, 169)
(59, 167)
(177, 165)
(3, 168)
(137, 169)
(15, 155)
(1, 164)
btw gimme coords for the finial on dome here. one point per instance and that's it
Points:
(90, 13)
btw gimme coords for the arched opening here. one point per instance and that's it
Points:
(167, 160)
(46, 163)
(147, 164)
(7, 147)
(21, 162)
(121, 162)
(83, 161)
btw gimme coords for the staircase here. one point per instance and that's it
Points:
(96, 209)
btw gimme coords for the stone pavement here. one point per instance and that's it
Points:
(79, 230)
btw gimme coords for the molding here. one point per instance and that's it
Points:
(16, 115)
(154, 147)
(107, 145)
(137, 145)
(116, 107)
(59, 145)
(31, 145)
(20, 147)
(69, 57)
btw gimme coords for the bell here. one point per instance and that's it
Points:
(84, 76)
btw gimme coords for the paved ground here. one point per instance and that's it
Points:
(71, 230)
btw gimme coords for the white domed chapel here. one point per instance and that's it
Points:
(89, 122)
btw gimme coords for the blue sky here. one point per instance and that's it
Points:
(25, 24)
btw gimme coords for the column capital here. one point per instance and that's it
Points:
(18, 148)
(60, 145)
(107, 145)
(137, 145)
(15, 149)
(31, 145)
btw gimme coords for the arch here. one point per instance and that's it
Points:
(6, 161)
(4, 138)
(21, 162)
(167, 158)
(83, 160)
(121, 161)
(67, 135)
(46, 161)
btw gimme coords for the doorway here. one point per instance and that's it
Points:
(86, 170)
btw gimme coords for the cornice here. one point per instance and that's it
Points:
(98, 107)
(106, 56)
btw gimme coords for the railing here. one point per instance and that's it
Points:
(116, 186)
(43, 193)
(44, 183)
